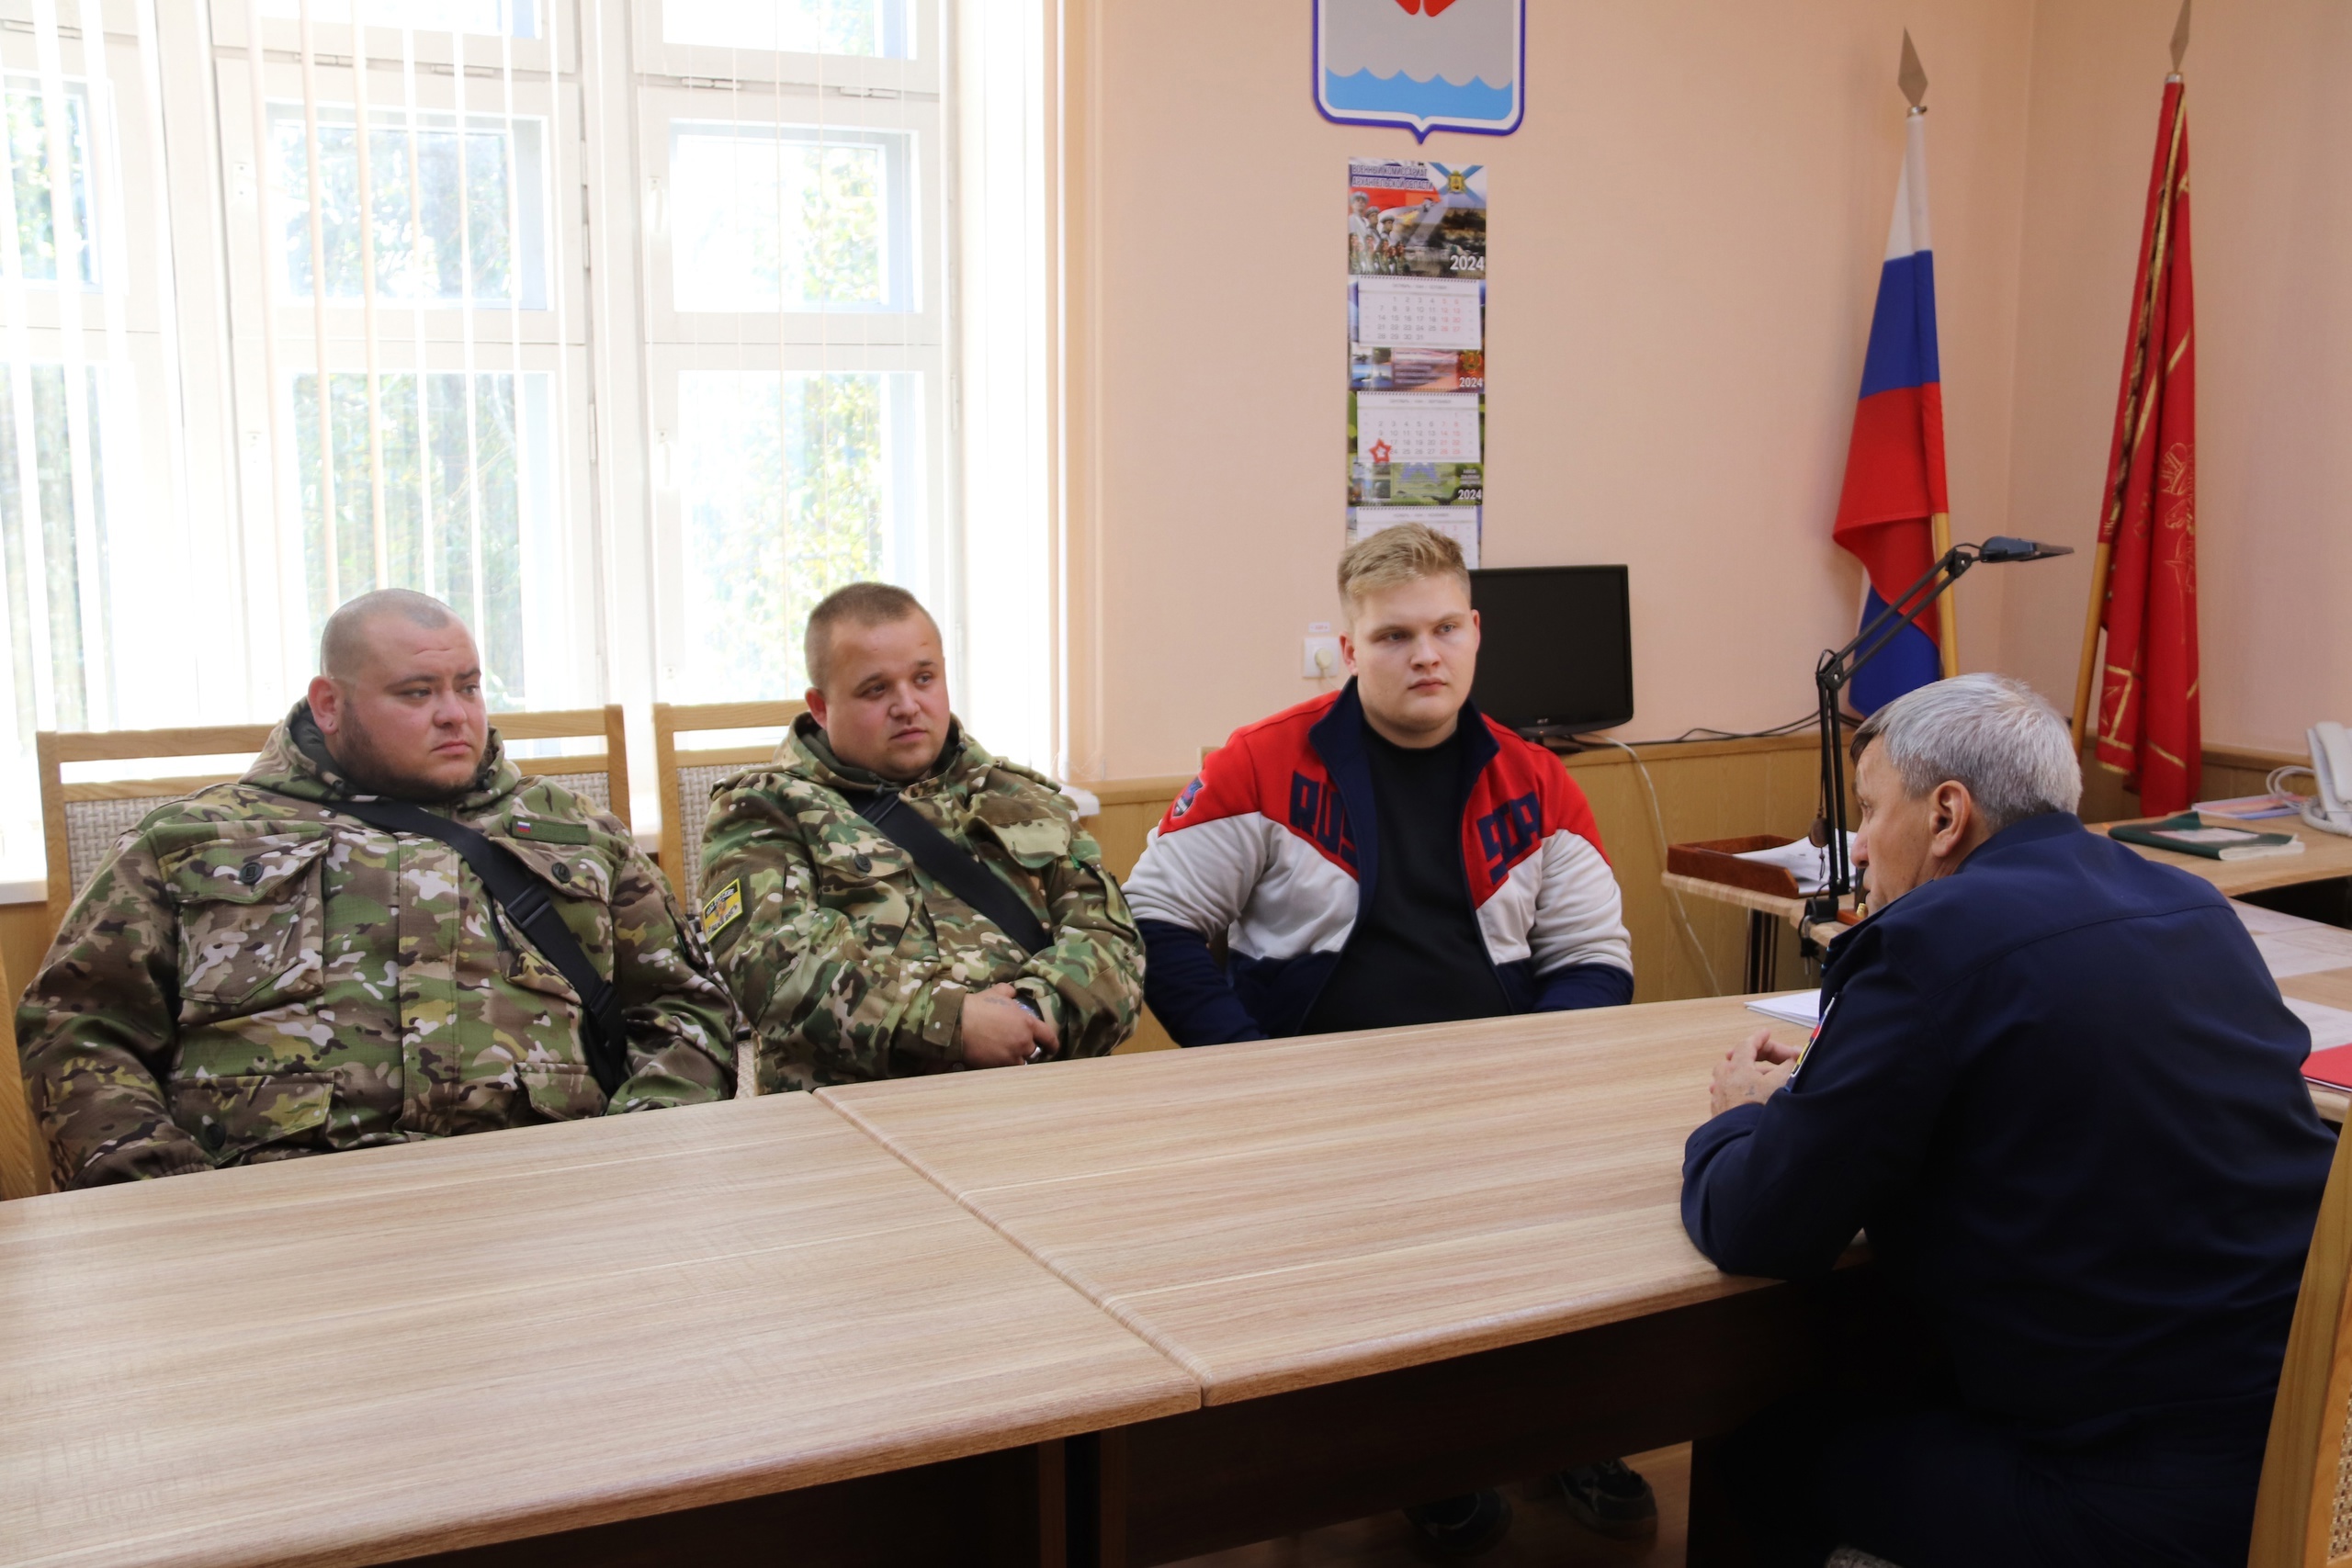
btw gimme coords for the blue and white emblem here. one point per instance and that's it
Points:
(1426, 65)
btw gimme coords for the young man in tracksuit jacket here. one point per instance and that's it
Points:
(1385, 855)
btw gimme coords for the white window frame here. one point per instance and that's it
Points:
(206, 344)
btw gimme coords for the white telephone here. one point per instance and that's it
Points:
(2331, 809)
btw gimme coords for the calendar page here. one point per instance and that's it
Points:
(1419, 313)
(1409, 427)
(1459, 523)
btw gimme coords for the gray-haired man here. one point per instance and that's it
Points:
(2055, 1083)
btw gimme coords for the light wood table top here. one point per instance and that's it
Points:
(1280, 1215)
(1791, 909)
(371, 1355)
(2324, 855)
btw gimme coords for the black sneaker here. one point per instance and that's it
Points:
(1609, 1499)
(1464, 1526)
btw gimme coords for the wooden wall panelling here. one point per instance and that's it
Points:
(1711, 789)
(2229, 771)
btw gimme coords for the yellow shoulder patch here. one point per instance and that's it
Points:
(721, 909)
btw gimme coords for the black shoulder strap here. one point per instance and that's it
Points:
(527, 903)
(951, 865)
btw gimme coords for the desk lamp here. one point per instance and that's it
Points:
(1830, 676)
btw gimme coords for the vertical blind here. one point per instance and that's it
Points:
(628, 327)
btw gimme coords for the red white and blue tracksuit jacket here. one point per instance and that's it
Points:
(1274, 844)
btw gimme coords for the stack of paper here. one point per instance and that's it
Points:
(2291, 946)
(1800, 1008)
(2330, 1026)
(2251, 807)
(1808, 862)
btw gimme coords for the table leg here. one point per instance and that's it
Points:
(1761, 928)
(1098, 1499)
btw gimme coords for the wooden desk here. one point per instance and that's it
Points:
(1767, 913)
(743, 1319)
(2325, 856)
(1401, 1263)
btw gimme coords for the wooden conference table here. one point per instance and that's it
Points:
(1305, 1280)
(745, 1318)
(1401, 1264)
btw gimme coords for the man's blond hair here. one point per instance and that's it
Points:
(1394, 556)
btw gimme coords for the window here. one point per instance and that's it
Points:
(789, 485)
(463, 465)
(457, 220)
(33, 195)
(789, 218)
(876, 27)
(622, 325)
(515, 18)
(54, 630)
(798, 346)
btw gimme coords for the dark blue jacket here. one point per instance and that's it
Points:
(2061, 1091)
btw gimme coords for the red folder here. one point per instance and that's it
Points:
(2332, 1068)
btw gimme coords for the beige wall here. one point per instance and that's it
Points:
(1685, 236)
(1684, 245)
(2270, 127)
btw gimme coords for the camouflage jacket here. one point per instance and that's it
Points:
(249, 976)
(854, 964)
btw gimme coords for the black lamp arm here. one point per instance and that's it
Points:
(1830, 678)
(1831, 675)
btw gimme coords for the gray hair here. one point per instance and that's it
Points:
(1994, 734)
(342, 644)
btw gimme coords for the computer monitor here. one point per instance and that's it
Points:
(1555, 651)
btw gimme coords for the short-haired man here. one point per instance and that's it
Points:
(255, 975)
(2056, 1084)
(853, 960)
(1385, 855)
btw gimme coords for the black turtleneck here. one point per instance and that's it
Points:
(1417, 955)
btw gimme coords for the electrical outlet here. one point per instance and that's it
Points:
(1319, 657)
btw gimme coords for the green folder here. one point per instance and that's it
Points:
(2187, 834)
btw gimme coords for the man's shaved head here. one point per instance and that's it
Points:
(344, 646)
(398, 696)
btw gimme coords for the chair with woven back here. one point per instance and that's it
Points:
(83, 819)
(688, 775)
(2303, 1515)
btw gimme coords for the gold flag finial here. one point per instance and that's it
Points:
(1913, 77)
(2180, 37)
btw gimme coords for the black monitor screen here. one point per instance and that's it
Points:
(1556, 647)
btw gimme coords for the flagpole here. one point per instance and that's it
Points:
(1912, 77)
(2101, 561)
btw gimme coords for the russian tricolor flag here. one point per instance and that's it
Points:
(1895, 468)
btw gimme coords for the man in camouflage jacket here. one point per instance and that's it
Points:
(252, 976)
(850, 962)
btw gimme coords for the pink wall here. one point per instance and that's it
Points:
(2270, 127)
(1684, 245)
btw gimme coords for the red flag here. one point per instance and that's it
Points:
(2148, 724)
